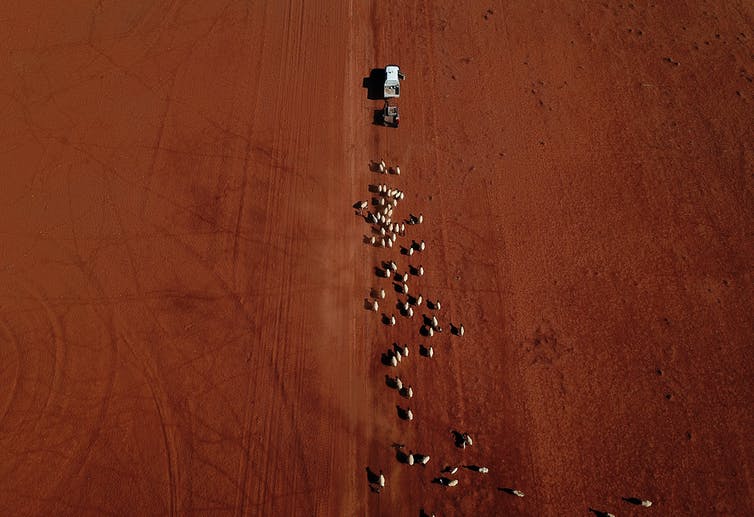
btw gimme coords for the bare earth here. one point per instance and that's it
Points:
(182, 328)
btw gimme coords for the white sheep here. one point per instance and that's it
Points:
(387, 273)
(398, 383)
(410, 459)
(483, 470)
(404, 350)
(424, 459)
(382, 480)
(394, 237)
(409, 414)
(420, 219)
(519, 493)
(435, 323)
(452, 482)
(419, 300)
(461, 330)
(398, 357)
(392, 320)
(403, 229)
(405, 288)
(410, 312)
(382, 294)
(382, 243)
(389, 243)
(397, 170)
(375, 306)
(430, 332)
(410, 251)
(382, 231)
(422, 246)
(405, 277)
(430, 352)
(421, 270)
(373, 240)
(646, 503)
(407, 392)
(393, 361)
(437, 305)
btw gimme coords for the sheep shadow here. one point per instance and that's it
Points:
(372, 476)
(473, 468)
(459, 439)
(455, 330)
(379, 272)
(431, 305)
(374, 84)
(368, 304)
(398, 287)
(401, 456)
(374, 189)
(632, 500)
(386, 320)
(507, 490)
(424, 331)
(390, 382)
(599, 513)
(423, 351)
(387, 358)
(374, 166)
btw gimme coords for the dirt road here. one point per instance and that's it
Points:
(181, 285)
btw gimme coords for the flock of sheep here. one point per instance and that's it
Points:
(384, 233)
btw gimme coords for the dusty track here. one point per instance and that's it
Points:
(181, 329)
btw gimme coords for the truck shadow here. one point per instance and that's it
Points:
(374, 84)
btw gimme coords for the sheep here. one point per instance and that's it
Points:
(404, 350)
(392, 320)
(375, 306)
(425, 459)
(460, 330)
(405, 277)
(371, 218)
(403, 229)
(410, 251)
(397, 170)
(382, 231)
(387, 272)
(405, 288)
(446, 481)
(430, 352)
(389, 243)
(422, 246)
(398, 357)
(450, 469)
(406, 306)
(419, 300)
(421, 270)
(467, 439)
(635, 500)
(482, 470)
(409, 414)
(430, 332)
(393, 361)
(407, 392)
(382, 294)
(420, 219)
(398, 383)
(373, 240)
(410, 459)
(435, 323)
(393, 237)
(410, 312)
(395, 202)
(519, 493)
(381, 480)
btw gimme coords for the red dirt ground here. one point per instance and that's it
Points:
(181, 281)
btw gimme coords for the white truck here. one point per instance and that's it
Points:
(393, 78)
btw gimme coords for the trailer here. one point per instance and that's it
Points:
(390, 115)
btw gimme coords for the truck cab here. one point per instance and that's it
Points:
(393, 77)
